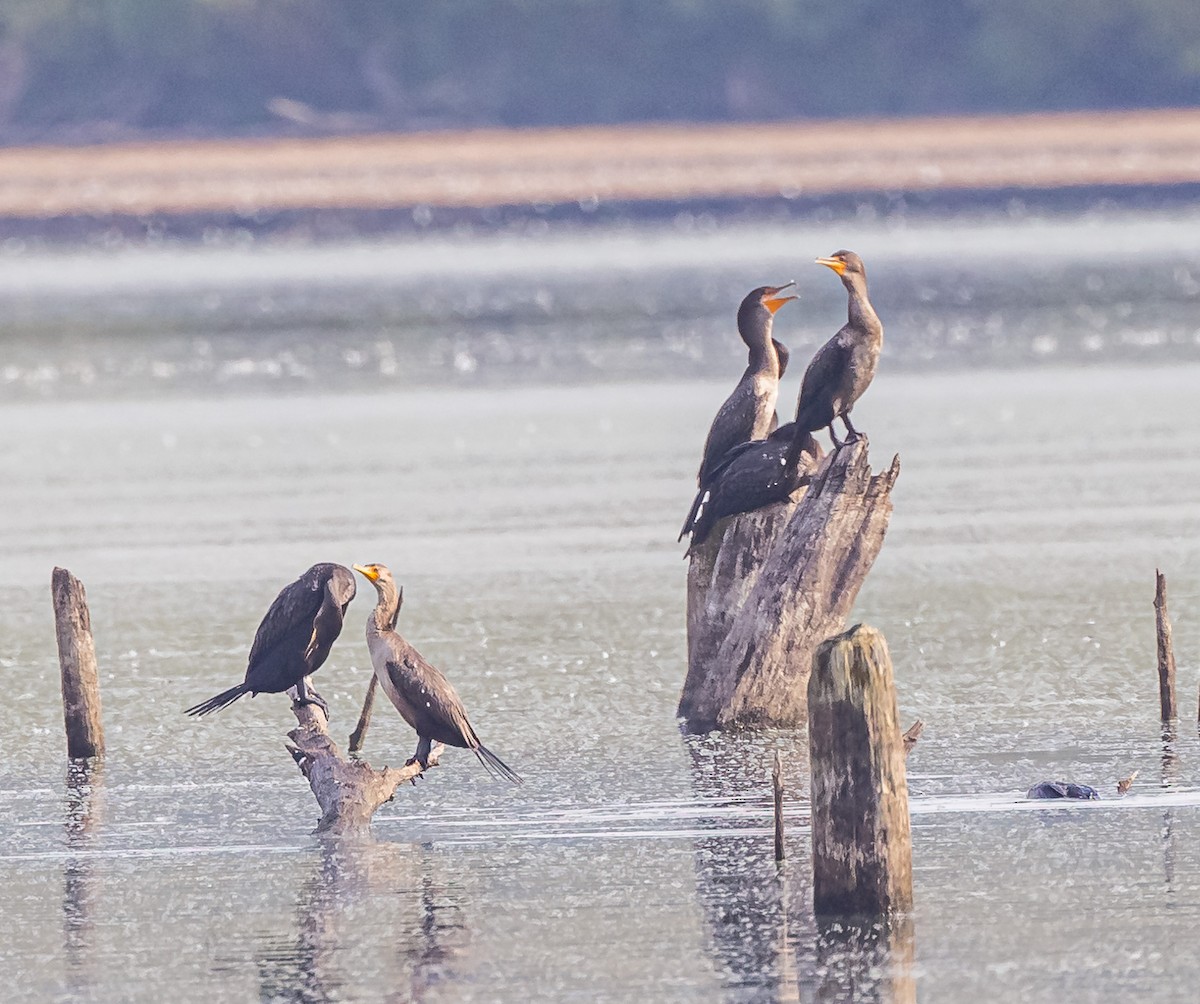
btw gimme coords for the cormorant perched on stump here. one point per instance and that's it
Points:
(420, 692)
(843, 367)
(749, 411)
(294, 638)
(751, 476)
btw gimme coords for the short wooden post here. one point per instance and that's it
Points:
(777, 787)
(1166, 653)
(359, 735)
(77, 662)
(862, 845)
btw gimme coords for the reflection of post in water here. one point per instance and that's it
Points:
(862, 962)
(1170, 777)
(371, 912)
(755, 910)
(84, 812)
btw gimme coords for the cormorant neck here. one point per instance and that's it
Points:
(763, 357)
(388, 607)
(862, 314)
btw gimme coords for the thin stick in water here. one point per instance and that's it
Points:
(777, 784)
(1166, 653)
(77, 662)
(364, 720)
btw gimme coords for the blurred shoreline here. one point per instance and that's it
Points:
(367, 183)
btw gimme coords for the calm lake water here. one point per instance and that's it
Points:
(513, 422)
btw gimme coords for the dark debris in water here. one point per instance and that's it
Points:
(1062, 789)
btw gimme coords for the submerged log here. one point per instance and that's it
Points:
(862, 844)
(1166, 652)
(77, 664)
(349, 792)
(768, 587)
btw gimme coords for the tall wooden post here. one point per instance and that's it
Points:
(862, 846)
(77, 662)
(1166, 653)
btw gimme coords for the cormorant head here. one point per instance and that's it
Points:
(376, 574)
(760, 305)
(844, 263)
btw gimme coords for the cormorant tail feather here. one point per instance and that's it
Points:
(222, 699)
(496, 766)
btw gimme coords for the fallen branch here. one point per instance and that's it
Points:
(349, 792)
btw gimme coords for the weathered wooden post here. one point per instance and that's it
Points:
(768, 587)
(77, 665)
(359, 735)
(862, 846)
(1166, 653)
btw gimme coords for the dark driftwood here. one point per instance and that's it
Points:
(1166, 652)
(348, 791)
(768, 587)
(359, 735)
(777, 790)
(862, 846)
(77, 662)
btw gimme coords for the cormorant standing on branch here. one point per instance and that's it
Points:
(843, 367)
(753, 475)
(749, 412)
(294, 638)
(420, 692)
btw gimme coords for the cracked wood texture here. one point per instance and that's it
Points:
(862, 843)
(768, 587)
(77, 665)
(349, 792)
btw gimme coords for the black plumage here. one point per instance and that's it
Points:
(294, 638)
(751, 476)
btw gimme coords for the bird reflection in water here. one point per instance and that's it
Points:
(766, 943)
(84, 816)
(375, 917)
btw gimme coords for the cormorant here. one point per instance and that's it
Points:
(747, 412)
(294, 638)
(843, 367)
(420, 692)
(753, 475)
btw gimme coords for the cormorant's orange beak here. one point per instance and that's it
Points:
(775, 302)
(369, 572)
(836, 264)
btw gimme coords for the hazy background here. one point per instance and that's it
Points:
(86, 70)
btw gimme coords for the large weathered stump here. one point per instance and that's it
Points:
(77, 665)
(862, 846)
(768, 587)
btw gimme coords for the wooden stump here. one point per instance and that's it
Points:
(77, 664)
(766, 589)
(1166, 652)
(349, 792)
(862, 847)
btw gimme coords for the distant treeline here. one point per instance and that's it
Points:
(97, 69)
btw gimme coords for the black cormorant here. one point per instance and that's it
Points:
(294, 638)
(843, 367)
(420, 692)
(748, 412)
(753, 475)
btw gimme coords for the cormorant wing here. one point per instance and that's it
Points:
(734, 424)
(296, 605)
(436, 707)
(822, 380)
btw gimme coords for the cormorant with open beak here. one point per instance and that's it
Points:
(294, 638)
(420, 692)
(749, 412)
(844, 366)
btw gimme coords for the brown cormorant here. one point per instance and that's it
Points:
(747, 412)
(753, 475)
(294, 638)
(420, 692)
(843, 367)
